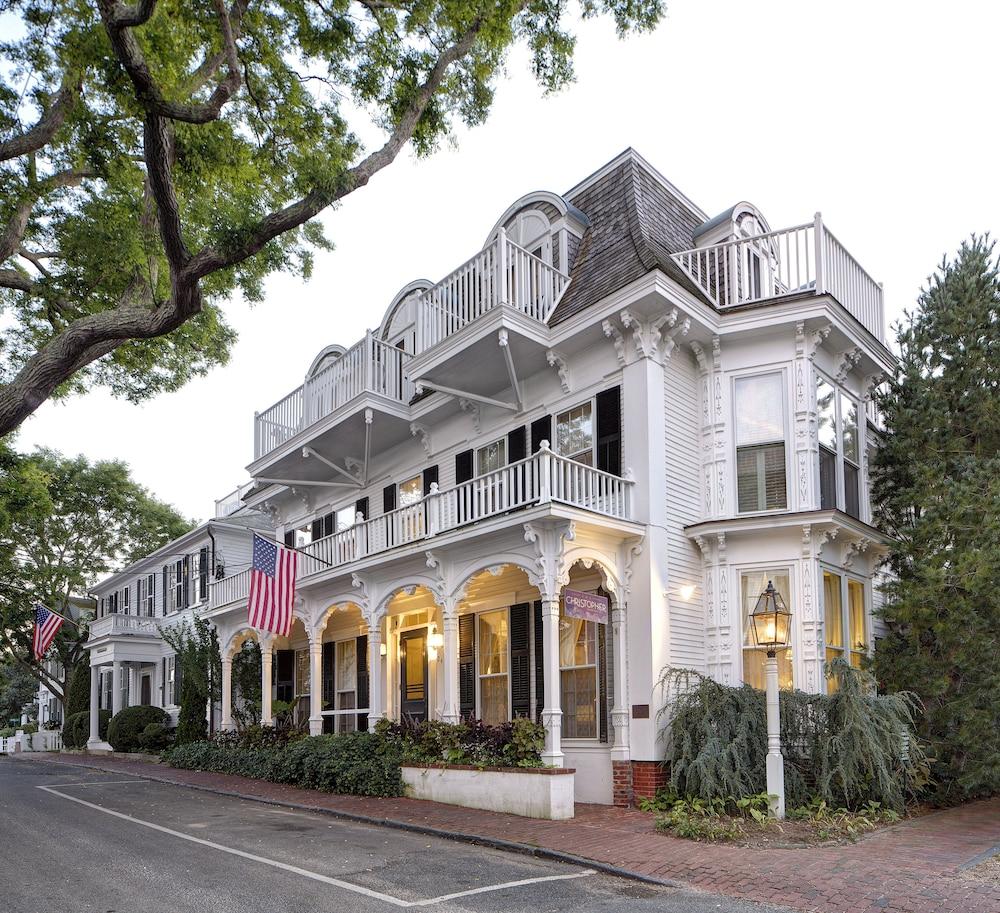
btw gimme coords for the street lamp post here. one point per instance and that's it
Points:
(770, 624)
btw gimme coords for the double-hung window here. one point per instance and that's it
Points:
(494, 685)
(491, 457)
(490, 488)
(411, 491)
(760, 443)
(126, 600)
(839, 449)
(179, 585)
(347, 684)
(575, 433)
(845, 620)
(578, 677)
(752, 584)
(150, 595)
(203, 563)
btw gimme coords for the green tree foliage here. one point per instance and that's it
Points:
(78, 695)
(65, 523)
(192, 722)
(847, 749)
(937, 491)
(247, 685)
(155, 158)
(17, 688)
(199, 665)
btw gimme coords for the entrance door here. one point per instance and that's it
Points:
(146, 690)
(413, 674)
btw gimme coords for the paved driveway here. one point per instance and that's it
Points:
(79, 840)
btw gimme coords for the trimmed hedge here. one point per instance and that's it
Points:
(126, 726)
(513, 744)
(76, 728)
(355, 763)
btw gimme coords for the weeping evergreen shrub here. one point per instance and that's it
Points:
(847, 748)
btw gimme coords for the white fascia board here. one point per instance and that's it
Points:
(758, 523)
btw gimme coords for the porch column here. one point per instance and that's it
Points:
(266, 716)
(620, 711)
(376, 675)
(131, 676)
(95, 697)
(116, 687)
(227, 693)
(450, 710)
(316, 687)
(155, 697)
(551, 709)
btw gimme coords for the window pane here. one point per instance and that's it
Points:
(849, 416)
(856, 607)
(347, 669)
(759, 409)
(852, 490)
(493, 692)
(833, 614)
(491, 457)
(577, 642)
(578, 699)
(301, 671)
(493, 642)
(345, 517)
(575, 434)
(760, 477)
(411, 491)
(752, 584)
(827, 479)
(826, 407)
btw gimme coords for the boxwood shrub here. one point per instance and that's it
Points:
(76, 728)
(126, 726)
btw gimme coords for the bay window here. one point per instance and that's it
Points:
(844, 620)
(760, 443)
(752, 584)
(493, 666)
(839, 449)
(578, 677)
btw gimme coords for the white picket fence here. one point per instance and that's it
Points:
(21, 741)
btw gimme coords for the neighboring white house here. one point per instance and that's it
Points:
(617, 395)
(130, 661)
(49, 712)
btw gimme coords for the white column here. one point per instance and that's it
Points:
(132, 676)
(95, 697)
(620, 711)
(551, 709)
(227, 693)
(773, 763)
(376, 675)
(116, 687)
(316, 686)
(266, 656)
(450, 708)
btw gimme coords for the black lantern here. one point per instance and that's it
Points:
(770, 619)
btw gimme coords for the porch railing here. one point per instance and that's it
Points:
(370, 366)
(113, 625)
(229, 589)
(501, 273)
(805, 259)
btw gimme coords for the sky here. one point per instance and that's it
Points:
(879, 114)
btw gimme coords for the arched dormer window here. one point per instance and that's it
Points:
(531, 230)
(324, 359)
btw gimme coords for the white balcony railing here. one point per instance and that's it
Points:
(501, 273)
(806, 259)
(370, 366)
(541, 478)
(114, 625)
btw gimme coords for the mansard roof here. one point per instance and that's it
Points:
(637, 219)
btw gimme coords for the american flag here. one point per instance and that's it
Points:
(272, 586)
(46, 625)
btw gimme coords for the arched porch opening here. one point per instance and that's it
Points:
(286, 677)
(342, 660)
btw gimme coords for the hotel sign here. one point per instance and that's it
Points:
(586, 605)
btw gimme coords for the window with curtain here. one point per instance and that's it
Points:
(301, 672)
(347, 684)
(491, 457)
(575, 434)
(752, 584)
(411, 491)
(760, 443)
(856, 621)
(578, 677)
(844, 620)
(493, 666)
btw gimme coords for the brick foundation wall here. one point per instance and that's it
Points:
(621, 779)
(647, 778)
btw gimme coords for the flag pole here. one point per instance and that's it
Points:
(42, 604)
(295, 549)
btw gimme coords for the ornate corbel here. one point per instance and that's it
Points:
(355, 467)
(700, 356)
(425, 436)
(466, 405)
(613, 333)
(670, 339)
(647, 334)
(855, 548)
(304, 496)
(559, 361)
(848, 360)
(549, 575)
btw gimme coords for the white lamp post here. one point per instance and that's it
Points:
(770, 624)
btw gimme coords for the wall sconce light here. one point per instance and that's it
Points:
(435, 641)
(687, 592)
(383, 650)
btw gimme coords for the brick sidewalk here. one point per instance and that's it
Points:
(909, 868)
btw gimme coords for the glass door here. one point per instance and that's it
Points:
(413, 674)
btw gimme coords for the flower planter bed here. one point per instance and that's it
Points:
(532, 792)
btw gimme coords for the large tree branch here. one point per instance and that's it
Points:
(209, 259)
(38, 136)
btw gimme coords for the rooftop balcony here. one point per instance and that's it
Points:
(371, 374)
(804, 260)
(543, 478)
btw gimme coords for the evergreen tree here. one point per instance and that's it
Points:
(192, 725)
(78, 694)
(937, 491)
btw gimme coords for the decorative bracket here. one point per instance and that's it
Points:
(472, 408)
(549, 575)
(647, 334)
(807, 342)
(425, 436)
(671, 337)
(559, 361)
(848, 360)
(612, 332)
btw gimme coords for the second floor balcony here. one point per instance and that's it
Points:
(542, 478)
(804, 260)
(118, 625)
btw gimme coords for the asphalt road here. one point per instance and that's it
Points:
(82, 841)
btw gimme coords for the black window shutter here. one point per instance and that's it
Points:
(317, 529)
(361, 507)
(187, 581)
(388, 498)
(520, 662)
(178, 675)
(362, 667)
(539, 664)
(517, 444)
(100, 614)
(203, 573)
(329, 524)
(329, 684)
(166, 586)
(602, 682)
(609, 431)
(430, 478)
(467, 666)
(541, 430)
(290, 538)
(463, 466)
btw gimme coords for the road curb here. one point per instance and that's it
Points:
(524, 849)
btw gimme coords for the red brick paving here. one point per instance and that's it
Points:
(911, 867)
